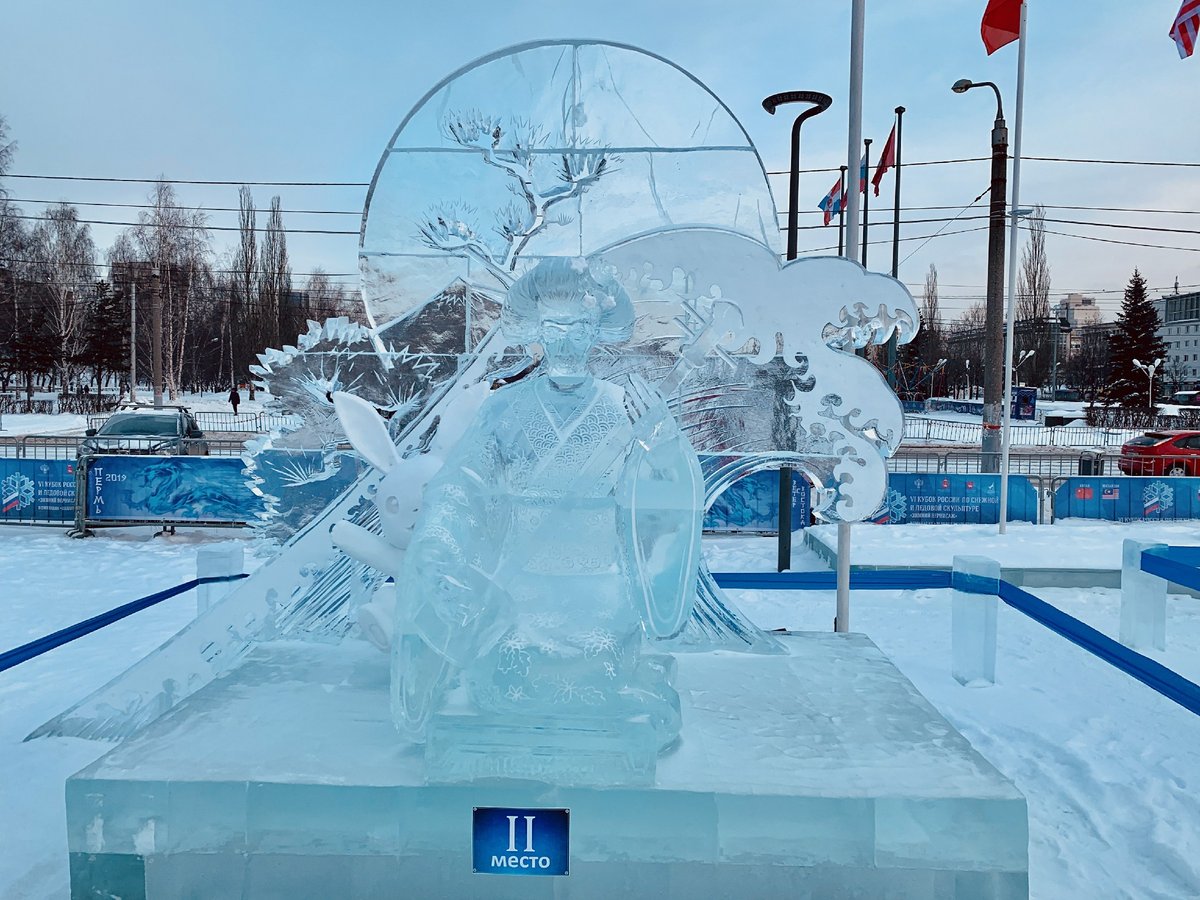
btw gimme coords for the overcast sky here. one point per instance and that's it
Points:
(305, 91)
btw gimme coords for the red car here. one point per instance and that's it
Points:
(1162, 453)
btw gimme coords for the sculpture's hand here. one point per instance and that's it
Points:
(648, 412)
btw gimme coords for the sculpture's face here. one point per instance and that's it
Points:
(567, 338)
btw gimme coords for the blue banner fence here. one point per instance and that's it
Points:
(37, 491)
(222, 490)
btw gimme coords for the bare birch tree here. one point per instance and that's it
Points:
(1033, 301)
(64, 260)
(173, 239)
(275, 280)
(245, 327)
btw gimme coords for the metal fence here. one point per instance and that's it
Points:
(66, 446)
(228, 423)
(76, 404)
(922, 430)
(1050, 464)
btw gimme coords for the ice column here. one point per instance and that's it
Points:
(222, 559)
(974, 581)
(1143, 600)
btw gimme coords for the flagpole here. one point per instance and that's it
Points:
(858, 15)
(896, 207)
(842, 211)
(893, 341)
(1012, 274)
(866, 167)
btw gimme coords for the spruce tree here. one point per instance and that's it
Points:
(1136, 338)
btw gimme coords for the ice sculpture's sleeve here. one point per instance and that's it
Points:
(454, 548)
(661, 496)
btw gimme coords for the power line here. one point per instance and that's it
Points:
(359, 212)
(1132, 209)
(1052, 159)
(918, 237)
(192, 181)
(1114, 162)
(986, 191)
(1118, 225)
(930, 162)
(323, 184)
(1087, 237)
(902, 222)
(192, 227)
(97, 265)
(310, 212)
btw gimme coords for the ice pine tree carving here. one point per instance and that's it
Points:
(540, 190)
(563, 527)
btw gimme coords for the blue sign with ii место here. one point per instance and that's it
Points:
(520, 841)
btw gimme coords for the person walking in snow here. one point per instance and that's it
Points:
(234, 399)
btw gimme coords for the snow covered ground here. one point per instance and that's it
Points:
(1110, 769)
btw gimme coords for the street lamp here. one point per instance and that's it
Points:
(1149, 369)
(993, 329)
(1025, 354)
(819, 103)
(937, 367)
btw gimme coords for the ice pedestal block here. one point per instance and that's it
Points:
(1143, 600)
(821, 772)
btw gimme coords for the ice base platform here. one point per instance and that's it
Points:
(820, 773)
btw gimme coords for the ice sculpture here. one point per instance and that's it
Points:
(565, 521)
(684, 206)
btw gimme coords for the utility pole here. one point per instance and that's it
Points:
(1056, 323)
(133, 339)
(156, 336)
(994, 358)
(993, 367)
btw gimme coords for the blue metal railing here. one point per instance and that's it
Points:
(41, 645)
(1154, 675)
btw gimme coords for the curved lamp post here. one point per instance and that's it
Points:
(1149, 369)
(819, 103)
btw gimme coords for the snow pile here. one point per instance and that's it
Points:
(15, 424)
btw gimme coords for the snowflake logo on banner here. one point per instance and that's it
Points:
(16, 492)
(894, 509)
(1158, 499)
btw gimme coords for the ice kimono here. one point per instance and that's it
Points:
(559, 531)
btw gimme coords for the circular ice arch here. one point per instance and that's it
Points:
(554, 148)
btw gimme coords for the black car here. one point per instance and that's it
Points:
(169, 430)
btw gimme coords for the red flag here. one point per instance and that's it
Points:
(1001, 24)
(1187, 28)
(887, 159)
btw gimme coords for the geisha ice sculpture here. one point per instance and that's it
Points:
(562, 527)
